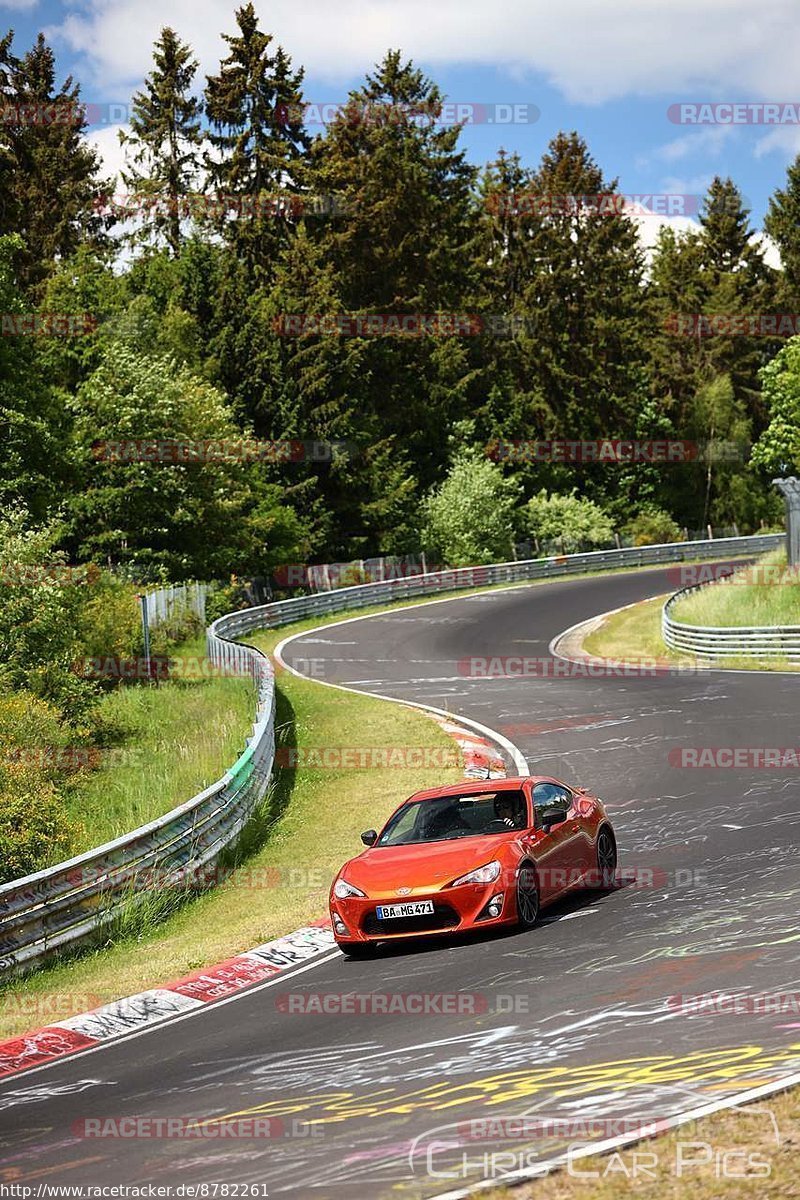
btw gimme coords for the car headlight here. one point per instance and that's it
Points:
(343, 890)
(485, 874)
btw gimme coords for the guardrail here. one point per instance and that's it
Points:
(733, 641)
(64, 904)
(283, 612)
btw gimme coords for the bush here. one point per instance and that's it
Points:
(223, 598)
(469, 519)
(40, 613)
(110, 621)
(35, 830)
(652, 527)
(28, 723)
(568, 519)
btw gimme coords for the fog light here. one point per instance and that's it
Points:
(339, 926)
(492, 910)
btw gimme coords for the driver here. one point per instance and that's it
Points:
(444, 820)
(506, 811)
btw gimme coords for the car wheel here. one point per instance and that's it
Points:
(606, 859)
(359, 950)
(527, 897)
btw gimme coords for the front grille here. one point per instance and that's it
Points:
(442, 917)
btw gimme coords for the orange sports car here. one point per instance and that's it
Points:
(470, 856)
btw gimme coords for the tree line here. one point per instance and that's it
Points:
(242, 231)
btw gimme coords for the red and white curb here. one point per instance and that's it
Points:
(481, 759)
(132, 1013)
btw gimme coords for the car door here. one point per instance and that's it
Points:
(560, 853)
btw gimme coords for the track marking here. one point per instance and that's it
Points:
(280, 978)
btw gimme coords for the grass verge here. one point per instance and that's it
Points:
(632, 633)
(635, 632)
(310, 826)
(762, 594)
(739, 1155)
(171, 741)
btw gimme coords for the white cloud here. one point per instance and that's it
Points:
(112, 154)
(772, 255)
(709, 142)
(650, 227)
(592, 52)
(786, 141)
(18, 5)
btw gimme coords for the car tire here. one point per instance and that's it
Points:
(606, 851)
(527, 896)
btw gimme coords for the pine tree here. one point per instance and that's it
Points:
(260, 146)
(54, 185)
(9, 65)
(32, 417)
(579, 363)
(165, 137)
(717, 272)
(738, 283)
(403, 244)
(782, 223)
(513, 407)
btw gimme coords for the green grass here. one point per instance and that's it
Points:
(174, 740)
(747, 1135)
(631, 634)
(309, 827)
(756, 595)
(635, 632)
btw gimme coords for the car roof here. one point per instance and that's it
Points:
(475, 786)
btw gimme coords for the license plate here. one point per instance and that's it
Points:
(413, 908)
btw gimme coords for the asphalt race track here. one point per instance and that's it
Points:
(570, 1020)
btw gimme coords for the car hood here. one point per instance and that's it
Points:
(382, 871)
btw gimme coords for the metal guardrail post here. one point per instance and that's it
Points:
(790, 490)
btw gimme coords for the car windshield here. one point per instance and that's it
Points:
(450, 817)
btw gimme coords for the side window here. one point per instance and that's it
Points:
(404, 825)
(550, 799)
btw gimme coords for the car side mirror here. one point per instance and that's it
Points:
(369, 837)
(555, 817)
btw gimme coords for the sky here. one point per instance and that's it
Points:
(666, 94)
